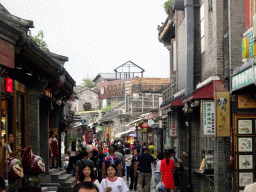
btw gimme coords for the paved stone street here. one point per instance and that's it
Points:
(152, 186)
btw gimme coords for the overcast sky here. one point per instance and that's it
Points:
(98, 36)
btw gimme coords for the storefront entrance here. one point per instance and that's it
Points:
(6, 118)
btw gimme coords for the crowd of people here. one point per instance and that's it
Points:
(102, 165)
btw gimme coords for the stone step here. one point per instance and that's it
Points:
(55, 176)
(69, 183)
(64, 178)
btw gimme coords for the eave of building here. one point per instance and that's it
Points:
(21, 23)
(9, 32)
(165, 28)
(32, 52)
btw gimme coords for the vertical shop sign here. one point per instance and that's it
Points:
(252, 46)
(208, 110)
(222, 114)
(173, 128)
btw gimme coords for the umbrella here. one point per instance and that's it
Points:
(132, 135)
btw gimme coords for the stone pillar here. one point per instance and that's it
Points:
(33, 116)
(44, 132)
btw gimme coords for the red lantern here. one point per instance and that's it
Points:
(13, 168)
(144, 125)
(32, 164)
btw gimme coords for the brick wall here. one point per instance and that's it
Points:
(236, 30)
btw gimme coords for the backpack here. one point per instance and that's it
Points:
(151, 150)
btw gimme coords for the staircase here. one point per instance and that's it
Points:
(65, 181)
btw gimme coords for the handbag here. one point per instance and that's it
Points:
(160, 186)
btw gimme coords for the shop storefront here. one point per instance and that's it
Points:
(244, 124)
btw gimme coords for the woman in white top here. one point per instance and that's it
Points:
(87, 174)
(160, 157)
(7, 146)
(113, 183)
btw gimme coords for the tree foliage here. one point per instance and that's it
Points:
(87, 82)
(39, 39)
(167, 6)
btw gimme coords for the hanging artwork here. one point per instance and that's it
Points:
(223, 114)
(244, 126)
(245, 144)
(245, 178)
(245, 162)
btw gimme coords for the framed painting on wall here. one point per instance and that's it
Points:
(245, 178)
(244, 127)
(244, 144)
(245, 162)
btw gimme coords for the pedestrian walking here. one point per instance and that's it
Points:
(145, 172)
(113, 183)
(152, 149)
(111, 159)
(128, 159)
(177, 171)
(160, 157)
(121, 157)
(101, 156)
(95, 160)
(167, 166)
(87, 174)
(133, 184)
(81, 163)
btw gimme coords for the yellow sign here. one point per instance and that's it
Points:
(223, 114)
(202, 165)
(245, 48)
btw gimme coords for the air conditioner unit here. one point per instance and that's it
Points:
(254, 28)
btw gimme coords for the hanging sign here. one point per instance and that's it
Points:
(252, 46)
(208, 109)
(222, 114)
(173, 127)
(245, 48)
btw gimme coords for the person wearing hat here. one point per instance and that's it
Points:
(177, 171)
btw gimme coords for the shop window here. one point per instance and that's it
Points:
(208, 152)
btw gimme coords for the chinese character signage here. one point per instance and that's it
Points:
(173, 127)
(223, 114)
(208, 110)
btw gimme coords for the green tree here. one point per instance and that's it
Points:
(87, 82)
(39, 39)
(167, 6)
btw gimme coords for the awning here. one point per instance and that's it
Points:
(206, 91)
(118, 135)
(135, 121)
(174, 102)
